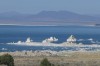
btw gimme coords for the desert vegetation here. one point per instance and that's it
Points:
(6, 59)
(45, 62)
(71, 59)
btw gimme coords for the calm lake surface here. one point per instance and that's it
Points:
(9, 33)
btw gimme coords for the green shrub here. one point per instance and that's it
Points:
(45, 62)
(7, 60)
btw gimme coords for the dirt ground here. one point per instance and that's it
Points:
(72, 59)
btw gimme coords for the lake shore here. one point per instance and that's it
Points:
(73, 58)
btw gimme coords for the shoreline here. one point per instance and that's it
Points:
(63, 58)
(89, 25)
(46, 53)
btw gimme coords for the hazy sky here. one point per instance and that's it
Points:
(34, 6)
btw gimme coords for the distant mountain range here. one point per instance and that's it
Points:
(47, 17)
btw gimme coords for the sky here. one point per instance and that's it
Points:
(35, 6)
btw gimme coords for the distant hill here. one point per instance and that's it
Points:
(64, 16)
(46, 17)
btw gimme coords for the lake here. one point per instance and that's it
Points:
(12, 33)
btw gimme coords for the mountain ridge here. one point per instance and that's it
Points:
(46, 16)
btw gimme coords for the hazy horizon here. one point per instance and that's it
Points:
(35, 6)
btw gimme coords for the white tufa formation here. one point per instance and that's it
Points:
(71, 39)
(49, 40)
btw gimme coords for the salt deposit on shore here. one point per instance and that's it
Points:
(45, 53)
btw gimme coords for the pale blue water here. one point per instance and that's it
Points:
(39, 33)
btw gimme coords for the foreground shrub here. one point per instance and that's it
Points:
(45, 62)
(7, 60)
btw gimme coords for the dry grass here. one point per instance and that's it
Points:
(72, 59)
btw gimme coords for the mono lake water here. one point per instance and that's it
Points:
(9, 33)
